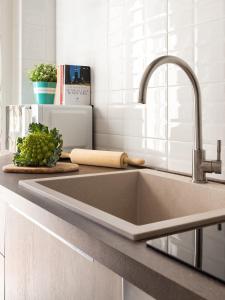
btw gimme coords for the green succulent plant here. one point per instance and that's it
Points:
(43, 72)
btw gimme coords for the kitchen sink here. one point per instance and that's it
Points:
(137, 204)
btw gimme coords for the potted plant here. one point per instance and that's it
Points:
(44, 80)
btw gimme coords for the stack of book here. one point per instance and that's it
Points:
(73, 85)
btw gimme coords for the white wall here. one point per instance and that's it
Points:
(37, 40)
(8, 72)
(118, 38)
(27, 32)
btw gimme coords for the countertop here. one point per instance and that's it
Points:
(161, 277)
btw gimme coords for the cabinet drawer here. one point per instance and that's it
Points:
(39, 264)
(2, 226)
(131, 292)
(2, 279)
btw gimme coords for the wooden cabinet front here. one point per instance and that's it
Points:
(2, 226)
(38, 265)
(2, 279)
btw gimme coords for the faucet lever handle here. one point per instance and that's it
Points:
(218, 149)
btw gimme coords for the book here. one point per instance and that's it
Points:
(73, 85)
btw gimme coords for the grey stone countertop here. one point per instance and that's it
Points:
(161, 277)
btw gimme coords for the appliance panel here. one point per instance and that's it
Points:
(74, 123)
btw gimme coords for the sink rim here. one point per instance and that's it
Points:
(119, 225)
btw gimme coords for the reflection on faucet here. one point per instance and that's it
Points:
(200, 166)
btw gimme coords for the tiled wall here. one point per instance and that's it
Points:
(118, 38)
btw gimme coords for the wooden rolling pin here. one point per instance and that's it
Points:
(111, 159)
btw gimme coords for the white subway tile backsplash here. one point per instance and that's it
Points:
(207, 10)
(134, 5)
(213, 114)
(134, 143)
(181, 39)
(136, 16)
(116, 142)
(211, 52)
(159, 77)
(116, 97)
(180, 131)
(134, 33)
(156, 147)
(116, 3)
(115, 127)
(125, 37)
(101, 126)
(134, 128)
(115, 39)
(180, 156)
(137, 66)
(156, 111)
(130, 96)
(213, 132)
(213, 92)
(156, 26)
(156, 45)
(154, 8)
(115, 12)
(99, 97)
(109, 142)
(152, 150)
(134, 112)
(210, 32)
(213, 72)
(115, 24)
(181, 19)
(175, 6)
(138, 49)
(186, 54)
(132, 80)
(176, 76)
(115, 79)
(116, 112)
(180, 104)
(101, 141)
(156, 153)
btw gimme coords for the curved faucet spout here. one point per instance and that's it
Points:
(169, 59)
(200, 166)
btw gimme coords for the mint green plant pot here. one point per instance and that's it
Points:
(44, 92)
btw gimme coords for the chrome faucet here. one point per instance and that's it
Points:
(200, 166)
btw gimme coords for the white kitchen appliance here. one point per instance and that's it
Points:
(74, 123)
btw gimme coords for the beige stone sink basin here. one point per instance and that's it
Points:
(137, 203)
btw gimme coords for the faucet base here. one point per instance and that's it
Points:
(198, 181)
(198, 173)
(201, 166)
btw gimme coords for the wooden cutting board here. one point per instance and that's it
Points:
(59, 168)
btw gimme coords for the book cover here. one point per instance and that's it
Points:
(77, 85)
